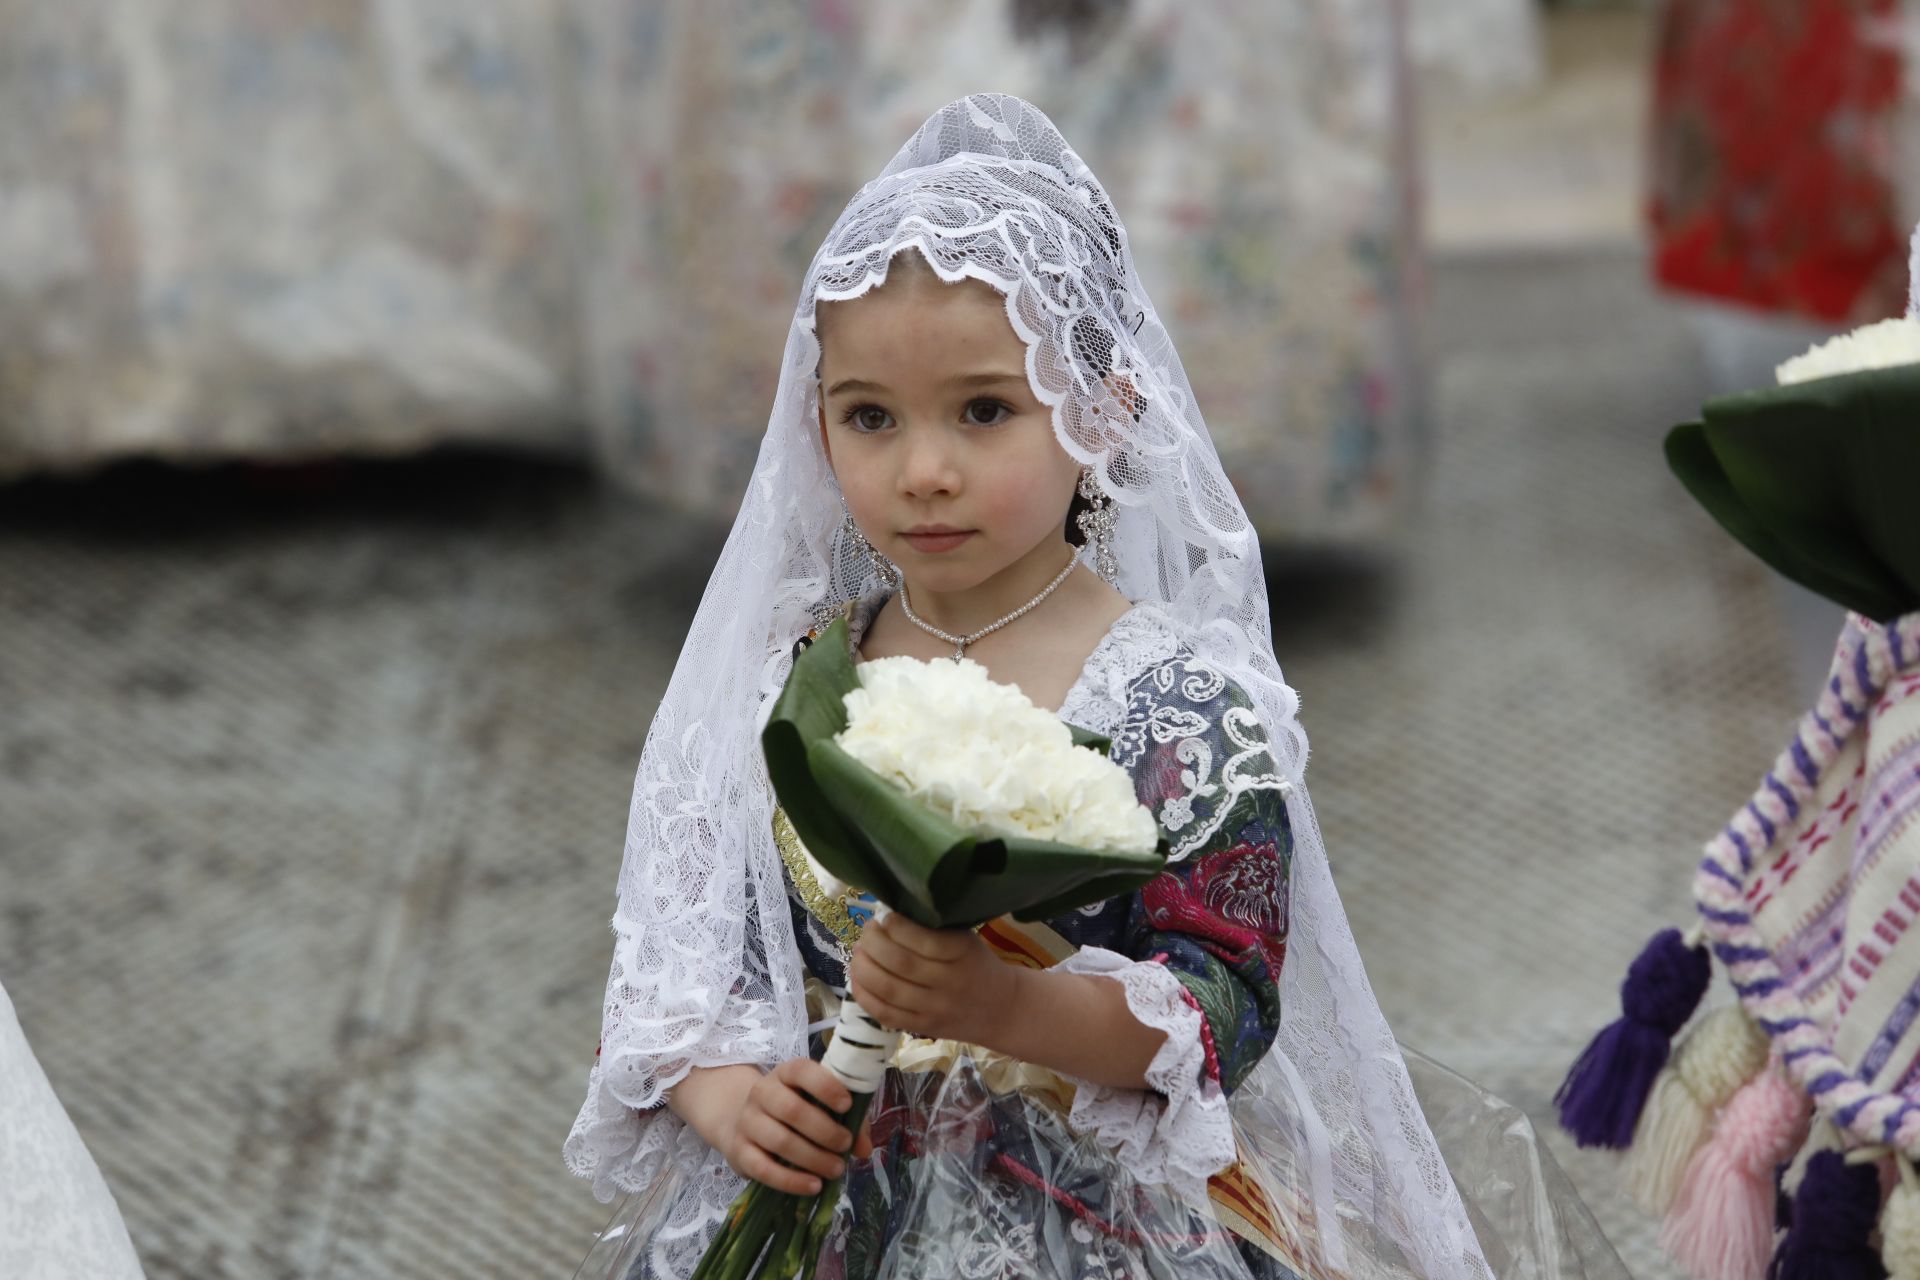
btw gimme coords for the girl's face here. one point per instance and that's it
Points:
(947, 459)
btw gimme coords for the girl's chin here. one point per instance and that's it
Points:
(952, 572)
(943, 583)
(946, 578)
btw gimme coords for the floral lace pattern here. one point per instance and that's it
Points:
(1206, 745)
(1098, 699)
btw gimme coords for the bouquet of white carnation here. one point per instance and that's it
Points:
(1883, 345)
(951, 799)
(986, 757)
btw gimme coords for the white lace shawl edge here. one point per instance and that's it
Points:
(622, 1147)
(1178, 1131)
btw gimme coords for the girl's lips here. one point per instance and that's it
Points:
(935, 542)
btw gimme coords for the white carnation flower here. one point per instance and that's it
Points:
(1874, 346)
(985, 756)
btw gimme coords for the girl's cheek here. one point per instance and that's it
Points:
(865, 487)
(1029, 493)
(1011, 506)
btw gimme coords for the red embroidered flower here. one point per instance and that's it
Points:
(1234, 897)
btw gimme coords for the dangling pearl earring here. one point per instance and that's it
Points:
(1096, 526)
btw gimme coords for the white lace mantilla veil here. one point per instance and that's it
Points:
(705, 967)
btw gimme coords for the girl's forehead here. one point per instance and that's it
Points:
(928, 324)
(917, 290)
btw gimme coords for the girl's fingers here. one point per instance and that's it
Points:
(864, 981)
(919, 941)
(814, 1123)
(771, 1136)
(881, 1011)
(825, 1087)
(887, 956)
(764, 1169)
(876, 978)
(863, 1145)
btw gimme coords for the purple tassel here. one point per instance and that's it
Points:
(1833, 1220)
(1601, 1099)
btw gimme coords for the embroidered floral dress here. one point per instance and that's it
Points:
(983, 1167)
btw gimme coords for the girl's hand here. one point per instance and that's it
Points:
(938, 983)
(780, 1121)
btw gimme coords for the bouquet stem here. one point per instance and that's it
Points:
(774, 1235)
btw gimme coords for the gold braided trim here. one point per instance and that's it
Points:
(830, 911)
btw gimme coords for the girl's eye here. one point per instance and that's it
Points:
(870, 418)
(998, 413)
(866, 417)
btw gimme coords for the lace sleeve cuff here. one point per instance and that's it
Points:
(1178, 1131)
(622, 1148)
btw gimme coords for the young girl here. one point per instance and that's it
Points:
(983, 444)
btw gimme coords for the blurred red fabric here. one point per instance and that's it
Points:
(1772, 147)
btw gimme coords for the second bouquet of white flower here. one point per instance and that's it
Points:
(1816, 475)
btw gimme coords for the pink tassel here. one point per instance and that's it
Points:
(1721, 1227)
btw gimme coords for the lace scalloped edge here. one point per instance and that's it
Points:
(623, 1148)
(620, 1148)
(1142, 638)
(1179, 1131)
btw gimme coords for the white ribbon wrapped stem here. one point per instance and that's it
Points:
(861, 1047)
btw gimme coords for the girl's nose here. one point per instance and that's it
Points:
(928, 467)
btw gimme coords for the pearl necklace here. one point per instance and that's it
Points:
(960, 643)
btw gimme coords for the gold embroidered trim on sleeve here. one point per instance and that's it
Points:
(829, 911)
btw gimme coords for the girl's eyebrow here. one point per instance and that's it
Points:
(986, 379)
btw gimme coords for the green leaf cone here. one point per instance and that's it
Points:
(1821, 480)
(919, 862)
(1691, 458)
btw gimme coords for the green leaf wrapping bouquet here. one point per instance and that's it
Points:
(1819, 476)
(951, 799)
